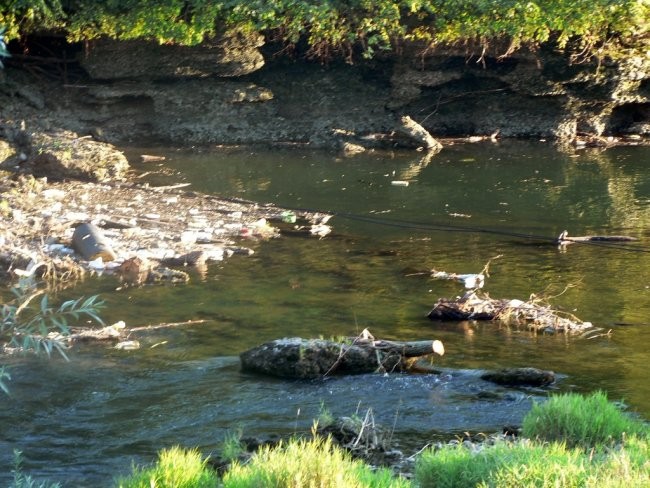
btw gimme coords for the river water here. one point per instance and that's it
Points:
(85, 421)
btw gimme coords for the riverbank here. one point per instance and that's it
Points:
(297, 73)
(570, 439)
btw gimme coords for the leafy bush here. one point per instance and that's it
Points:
(21, 480)
(338, 27)
(34, 331)
(580, 421)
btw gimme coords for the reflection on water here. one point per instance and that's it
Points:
(82, 422)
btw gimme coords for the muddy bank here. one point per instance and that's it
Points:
(236, 90)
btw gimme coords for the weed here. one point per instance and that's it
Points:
(176, 468)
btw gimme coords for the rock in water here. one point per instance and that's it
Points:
(520, 377)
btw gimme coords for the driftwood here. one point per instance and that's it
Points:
(563, 239)
(116, 333)
(312, 358)
(533, 314)
(419, 134)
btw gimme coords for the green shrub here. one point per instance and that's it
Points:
(307, 463)
(176, 468)
(339, 27)
(580, 421)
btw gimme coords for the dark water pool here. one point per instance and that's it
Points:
(84, 421)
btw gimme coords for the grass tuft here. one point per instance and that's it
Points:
(176, 468)
(585, 421)
(307, 463)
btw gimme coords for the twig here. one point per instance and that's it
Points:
(486, 268)
(166, 325)
(170, 187)
(23, 305)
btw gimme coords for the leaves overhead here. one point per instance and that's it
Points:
(337, 27)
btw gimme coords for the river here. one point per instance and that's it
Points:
(84, 421)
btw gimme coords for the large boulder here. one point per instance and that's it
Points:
(520, 377)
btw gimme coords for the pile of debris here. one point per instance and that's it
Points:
(140, 227)
(534, 313)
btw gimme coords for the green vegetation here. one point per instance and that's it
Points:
(546, 461)
(302, 463)
(609, 449)
(232, 446)
(176, 468)
(40, 328)
(531, 464)
(22, 480)
(341, 27)
(580, 421)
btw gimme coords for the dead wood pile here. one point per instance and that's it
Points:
(534, 314)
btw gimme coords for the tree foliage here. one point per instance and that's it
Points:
(337, 26)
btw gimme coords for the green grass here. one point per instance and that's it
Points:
(176, 468)
(573, 441)
(580, 421)
(307, 463)
(232, 446)
(528, 464)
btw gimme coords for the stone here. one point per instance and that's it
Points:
(520, 377)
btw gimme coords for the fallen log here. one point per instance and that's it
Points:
(312, 358)
(534, 313)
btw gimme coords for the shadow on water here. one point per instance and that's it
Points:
(84, 421)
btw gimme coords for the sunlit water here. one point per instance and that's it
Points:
(84, 421)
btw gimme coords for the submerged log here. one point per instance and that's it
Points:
(312, 358)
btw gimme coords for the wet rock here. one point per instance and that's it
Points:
(231, 54)
(520, 377)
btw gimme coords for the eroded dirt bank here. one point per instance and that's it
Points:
(236, 90)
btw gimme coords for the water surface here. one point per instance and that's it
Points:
(82, 422)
